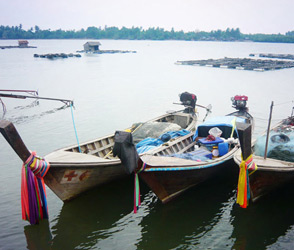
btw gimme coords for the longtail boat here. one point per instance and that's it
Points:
(192, 159)
(76, 169)
(273, 158)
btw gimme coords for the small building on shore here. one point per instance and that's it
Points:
(92, 46)
(23, 43)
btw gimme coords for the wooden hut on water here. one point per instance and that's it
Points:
(92, 46)
(23, 43)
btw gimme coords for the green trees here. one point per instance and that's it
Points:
(138, 33)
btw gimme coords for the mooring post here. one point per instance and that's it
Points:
(268, 130)
(245, 134)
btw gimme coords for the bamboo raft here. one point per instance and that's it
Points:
(107, 51)
(277, 56)
(241, 64)
(17, 47)
(57, 55)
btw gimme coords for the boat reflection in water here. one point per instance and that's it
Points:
(103, 219)
(99, 219)
(261, 225)
(209, 227)
(204, 217)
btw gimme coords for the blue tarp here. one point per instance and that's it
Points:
(220, 121)
(150, 143)
(197, 155)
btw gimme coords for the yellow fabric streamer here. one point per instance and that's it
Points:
(234, 126)
(243, 194)
(242, 185)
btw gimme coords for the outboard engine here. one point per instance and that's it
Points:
(189, 101)
(239, 102)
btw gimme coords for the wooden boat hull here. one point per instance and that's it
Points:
(72, 173)
(168, 185)
(169, 177)
(169, 173)
(68, 182)
(270, 175)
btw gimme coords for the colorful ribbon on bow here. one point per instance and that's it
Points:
(33, 193)
(243, 192)
(137, 199)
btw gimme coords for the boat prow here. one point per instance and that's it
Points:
(275, 168)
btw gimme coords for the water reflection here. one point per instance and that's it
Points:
(38, 236)
(263, 222)
(102, 218)
(197, 219)
(205, 217)
(127, 231)
(31, 105)
(22, 118)
(285, 241)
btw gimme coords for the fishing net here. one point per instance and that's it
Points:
(153, 130)
(280, 143)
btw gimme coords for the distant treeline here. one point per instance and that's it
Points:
(135, 33)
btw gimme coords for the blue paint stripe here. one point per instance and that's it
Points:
(187, 168)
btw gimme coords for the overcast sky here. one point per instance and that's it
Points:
(251, 16)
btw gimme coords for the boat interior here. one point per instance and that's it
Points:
(181, 119)
(199, 149)
(103, 146)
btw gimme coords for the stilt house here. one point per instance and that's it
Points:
(23, 43)
(92, 46)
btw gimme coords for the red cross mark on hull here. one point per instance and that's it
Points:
(70, 175)
(84, 175)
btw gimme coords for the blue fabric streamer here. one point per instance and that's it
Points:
(44, 200)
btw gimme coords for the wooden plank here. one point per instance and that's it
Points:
(104, 147)
(187, 147)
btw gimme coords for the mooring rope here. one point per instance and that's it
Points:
(73, 120)
(283, 103)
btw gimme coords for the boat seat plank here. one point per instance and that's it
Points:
(187, 147)
(108, 146)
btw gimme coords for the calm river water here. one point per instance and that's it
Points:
(111, 92)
